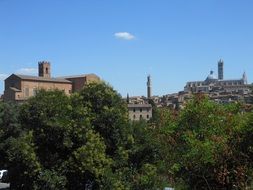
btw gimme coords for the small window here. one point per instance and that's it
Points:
(46, 70)
(140, 116)
(140, 109)
(134, 109)
(26, 91)
(34, 91)
(134, 116)
(147, 116)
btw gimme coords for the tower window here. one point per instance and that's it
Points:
(140, 116)
(46, 70)
(140, 109)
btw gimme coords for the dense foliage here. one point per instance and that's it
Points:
(85, 141)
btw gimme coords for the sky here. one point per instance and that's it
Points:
(123, 41)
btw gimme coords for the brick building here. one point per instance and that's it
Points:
(21, 87)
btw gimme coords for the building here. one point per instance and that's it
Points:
(213, 84)
(138, 112)
(21, 87)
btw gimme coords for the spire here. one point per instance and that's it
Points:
(244, 77)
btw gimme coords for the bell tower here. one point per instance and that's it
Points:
(220, 69)
(44, 69)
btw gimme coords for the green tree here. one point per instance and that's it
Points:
(10, 129)
(107, 113)
(65, 150)
(207, 151)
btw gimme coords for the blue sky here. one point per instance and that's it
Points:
(123, 41)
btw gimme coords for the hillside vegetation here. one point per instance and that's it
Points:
(85, 141)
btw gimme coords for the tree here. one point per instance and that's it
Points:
(10, 129)
(207, 146)
(65, 150)
(108, 113)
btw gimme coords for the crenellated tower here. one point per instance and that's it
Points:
(44, 69)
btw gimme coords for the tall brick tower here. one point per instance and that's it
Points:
(44, 69)
(220, 69)
(149, 87)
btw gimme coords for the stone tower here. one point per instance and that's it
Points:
(220, 69)
(44, 69)
(149, 93)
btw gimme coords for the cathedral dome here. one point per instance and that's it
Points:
(211, 76)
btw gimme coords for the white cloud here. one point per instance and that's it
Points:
(24, 71)
(27, 71)
(124, 36)
(3, 76)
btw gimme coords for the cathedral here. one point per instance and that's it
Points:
(214, 84)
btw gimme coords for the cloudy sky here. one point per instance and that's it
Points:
(123, 41)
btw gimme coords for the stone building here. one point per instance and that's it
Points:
(137, 112)
(21, 87)
(212, 83)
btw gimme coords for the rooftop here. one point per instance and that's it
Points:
(139, 106)
(28, 77)
(76, 76)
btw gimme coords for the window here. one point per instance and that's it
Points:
(147, 116)
(140, 116)
(140, 109)
(134, 109)
(134, 116)
(46, 70)
(26, 91)
(34, 91)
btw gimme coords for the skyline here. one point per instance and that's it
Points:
(122, 42)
